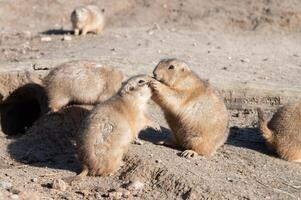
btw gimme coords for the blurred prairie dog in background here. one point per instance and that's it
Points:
(81, 82)
(87, 19)
(197, 116)
(283, 132)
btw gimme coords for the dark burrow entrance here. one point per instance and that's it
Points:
(22, 108)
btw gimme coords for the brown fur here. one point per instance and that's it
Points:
(87, 19)
(107, 132)
(83, 82)
(283, 131)
(196, 115)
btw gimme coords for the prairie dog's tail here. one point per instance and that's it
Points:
(263, 126)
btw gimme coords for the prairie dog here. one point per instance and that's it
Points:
(112, 125)
(87, 19)
(283, 132)
(83, 82)
(198, 118)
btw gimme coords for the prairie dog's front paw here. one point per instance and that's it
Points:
(155, 85)
(189, 154)
(137, 141)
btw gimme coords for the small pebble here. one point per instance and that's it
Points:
(230, 180)
(34, 180)
(23, 51)
(246, 60)
(67, 38)
(5, 184)
(135, 185)
(150, 32)
(115, 195)
(59, 184)
(14, 196)
(46, 39)
(27, 34)
(29, 195)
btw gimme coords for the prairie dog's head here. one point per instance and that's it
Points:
(170, 71)
(80, 14)
(137, 87)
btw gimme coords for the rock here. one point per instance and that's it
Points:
(29, 196)
(59, 184)
(34, 180)
(14, 196)
(67, 38)
(27, 34)
(135, 185)
(115, 195)
(150, 32)
(120, 193)
(15, 190)
(5, 184)
(245, 60)
(46, 39)
(125, 193)
(158, 161)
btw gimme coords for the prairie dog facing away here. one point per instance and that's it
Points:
(112, 125)
(283, 132)
(87, 19)
(83, 82)
(198, 118)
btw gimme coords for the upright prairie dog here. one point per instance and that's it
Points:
(198, 118)
(83, 82)
(87, 19)
(283, 132)
(112, 125)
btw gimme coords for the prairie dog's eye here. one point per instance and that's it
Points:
(131, 88)
(141, 81)
(171, 67)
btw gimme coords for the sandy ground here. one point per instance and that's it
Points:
(249, 50)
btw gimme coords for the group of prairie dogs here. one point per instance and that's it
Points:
(196, 115)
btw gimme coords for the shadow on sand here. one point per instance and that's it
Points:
(248, 138)
(57, 32)
(50, 142)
